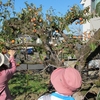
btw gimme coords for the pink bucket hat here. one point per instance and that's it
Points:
(66, 80)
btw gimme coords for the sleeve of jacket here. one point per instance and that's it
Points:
(12, 69)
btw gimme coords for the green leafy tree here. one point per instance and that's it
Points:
(98, 8)
(33, 22)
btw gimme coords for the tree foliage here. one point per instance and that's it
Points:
(32, 21)
(98, 8)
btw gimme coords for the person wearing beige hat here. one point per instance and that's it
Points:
(5, 75)
(65, 82)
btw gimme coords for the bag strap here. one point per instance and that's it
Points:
(47, 97)
(62, 96)
(2, 90)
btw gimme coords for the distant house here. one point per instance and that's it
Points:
(94, 23)
(24, 39)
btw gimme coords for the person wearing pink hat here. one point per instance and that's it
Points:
(6, 74)
(65, 82)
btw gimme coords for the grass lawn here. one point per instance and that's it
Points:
(26, 84)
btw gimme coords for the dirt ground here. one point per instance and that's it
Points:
(27, 97)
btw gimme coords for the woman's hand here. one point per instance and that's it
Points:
(11, 53)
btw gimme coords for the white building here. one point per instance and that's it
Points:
(94, 23)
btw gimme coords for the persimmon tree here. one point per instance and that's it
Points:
(6, 11)
(32, 21)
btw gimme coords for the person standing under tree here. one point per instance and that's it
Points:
(65, 81)
(6, 74)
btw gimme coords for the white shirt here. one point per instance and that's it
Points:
(55, 98)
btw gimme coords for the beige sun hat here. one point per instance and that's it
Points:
(2, 59)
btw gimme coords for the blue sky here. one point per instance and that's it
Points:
(59, 5)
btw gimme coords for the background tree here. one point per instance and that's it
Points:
(31, 21)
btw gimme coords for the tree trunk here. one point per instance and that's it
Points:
(86, 54)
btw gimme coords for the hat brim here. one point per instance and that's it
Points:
(2, 59)
(56, 80)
